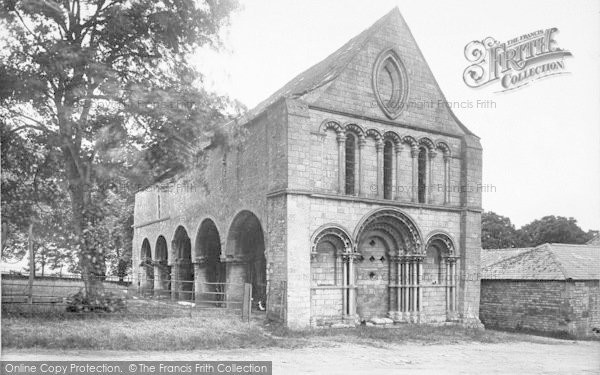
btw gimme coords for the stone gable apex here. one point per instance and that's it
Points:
(344, 81)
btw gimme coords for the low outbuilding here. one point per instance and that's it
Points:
(551, 288)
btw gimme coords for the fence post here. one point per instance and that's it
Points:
(247, 302)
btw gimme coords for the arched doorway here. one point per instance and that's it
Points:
(388, 271)
(182, 273)
(246, 258)
(162, 275)
(146, 274)
(439, 273)
(331, 293)
(210, 270)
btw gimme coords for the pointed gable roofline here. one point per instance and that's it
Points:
(329, 69)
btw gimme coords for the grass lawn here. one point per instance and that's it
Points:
(216, 329)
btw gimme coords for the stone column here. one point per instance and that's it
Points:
(413, 282)
(405, 290)
(447, 284)
(346, 310)
(397, 188)
(361, 165)
(398, 262)
(142, 280)
(158, 279)
(414, 153)
(199, 279)
(419, 288)
(175, 280)
(341, 139)
(351, 285)
(454, 283)
(379, 148)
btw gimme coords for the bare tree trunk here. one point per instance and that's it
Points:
(31, 263)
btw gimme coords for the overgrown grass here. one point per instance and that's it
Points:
(218, 330)
(155, 325)
(175, 333)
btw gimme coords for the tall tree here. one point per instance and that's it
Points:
(101, 80)
(497, 232)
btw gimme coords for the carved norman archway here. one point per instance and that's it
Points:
(389, 270)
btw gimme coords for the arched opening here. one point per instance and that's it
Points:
(387, 275)
(162, 274)
(246, 258)
(422, 174)
(432, 265)
(388, 154)
(182, 273)
(439, 278)
(146, 274)
(389, 84)
(350, 163)
(210, 276)
(330, 276)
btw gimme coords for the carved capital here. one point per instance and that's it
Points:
(414, 152)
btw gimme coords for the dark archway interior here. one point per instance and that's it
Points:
(208, 246)
(147, 269)
(246, 242)
(182, 248)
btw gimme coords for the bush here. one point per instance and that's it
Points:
(100, 302)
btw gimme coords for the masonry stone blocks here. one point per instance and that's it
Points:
(353, 197)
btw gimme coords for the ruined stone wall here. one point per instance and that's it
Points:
(234, 180)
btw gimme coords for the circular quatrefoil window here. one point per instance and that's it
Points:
(390, 83)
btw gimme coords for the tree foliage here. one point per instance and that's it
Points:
(107, 88)
(498, 232)
(554, 229)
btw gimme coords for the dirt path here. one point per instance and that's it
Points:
(548, 357)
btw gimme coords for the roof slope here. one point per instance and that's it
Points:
(544, 262)
(594, 241)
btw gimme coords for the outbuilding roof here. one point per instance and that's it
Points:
(550, 261)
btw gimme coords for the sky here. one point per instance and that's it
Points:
(541, 143)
